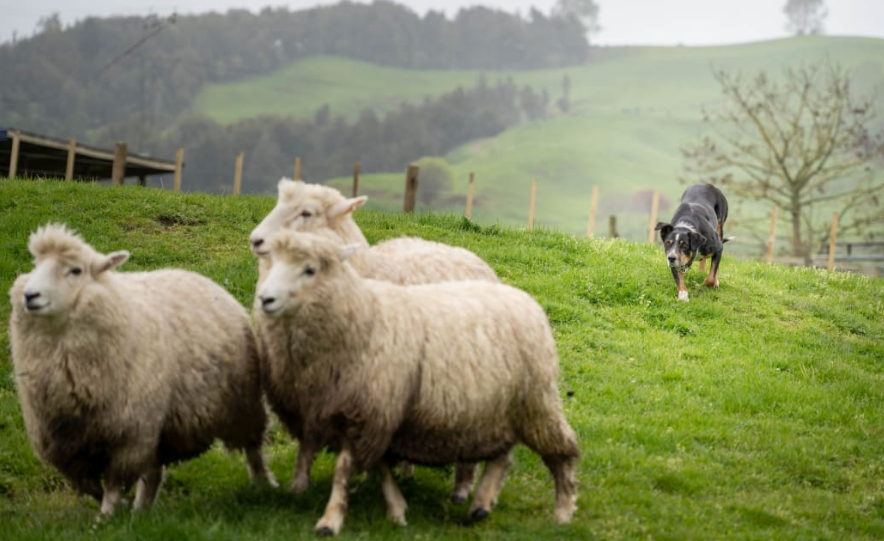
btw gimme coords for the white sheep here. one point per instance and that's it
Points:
(119, 374)
(310, 207)
(432, 374)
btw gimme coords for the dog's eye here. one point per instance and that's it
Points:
(668, 243)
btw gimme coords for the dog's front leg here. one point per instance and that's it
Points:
(679, 282)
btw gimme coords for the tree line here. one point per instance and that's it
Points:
(330, 144)
(104, 72)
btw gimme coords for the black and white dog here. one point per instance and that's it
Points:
(696, 231)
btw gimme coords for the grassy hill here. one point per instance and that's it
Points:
(634, 107)
(752, 412)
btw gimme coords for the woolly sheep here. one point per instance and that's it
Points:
(311, 207)
(119, 374)
(432, 374)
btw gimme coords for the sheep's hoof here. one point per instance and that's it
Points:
(325, 531)
(458, 499)
(479, 513)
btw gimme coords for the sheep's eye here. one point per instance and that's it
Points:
(76, 271)
(309, 271)
(306, 214)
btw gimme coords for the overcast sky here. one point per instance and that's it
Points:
(624, 22)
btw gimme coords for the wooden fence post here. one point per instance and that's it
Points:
(237, 174)
(655, 204)
(297, 168)
(469, 210)
(532, 204)
(118, 172)
(410, 188)
(612, 227)
(13, 156)
(72, 156)
(771, 236)
(179, 164)
(356, 179)
(593, 206)
(832, 237)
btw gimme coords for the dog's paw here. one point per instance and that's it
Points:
(683, 296)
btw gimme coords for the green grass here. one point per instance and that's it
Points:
(634, 108)
(752, 412)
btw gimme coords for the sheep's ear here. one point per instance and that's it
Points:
(109, 261)
(345, 207)
(348, 250)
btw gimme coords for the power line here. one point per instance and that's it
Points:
(158, 27)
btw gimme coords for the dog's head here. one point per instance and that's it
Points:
(681, 245)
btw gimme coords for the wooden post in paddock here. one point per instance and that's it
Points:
(13, 156)
(356, 179)
(771, 236)
(655, 204)
(297, 169)
(612, 227)
(532, 204)
(179, 164)
(593, 206)
(72, 156)
(469, 210)
(411, 175)
(118, 172)
(832, 238)
(237, 174)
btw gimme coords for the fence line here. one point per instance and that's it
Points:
(832, 237)
(652, 223)
(356, 179)
(237, 174)
(593, 206)
(532, 204)
(468, 212)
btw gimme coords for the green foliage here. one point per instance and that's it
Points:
(752, 412)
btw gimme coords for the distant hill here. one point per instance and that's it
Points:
(632, 110)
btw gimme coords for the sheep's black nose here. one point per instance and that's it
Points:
(257, 242)
(267, 300)
(31, 296)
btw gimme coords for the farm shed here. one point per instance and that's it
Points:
(29, 154)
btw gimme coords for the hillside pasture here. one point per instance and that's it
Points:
(752, 412)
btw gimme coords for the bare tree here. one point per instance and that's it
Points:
(802, 144)
(805, 16)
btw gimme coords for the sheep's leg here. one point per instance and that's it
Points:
(301, 475)
(396, 505)
(113, 495)
(489, 486)
(333, 517)
(257, 466)
(562, 469)
(464, 477)
(147, 488)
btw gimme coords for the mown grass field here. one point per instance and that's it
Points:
(752, 412)
(633, 109)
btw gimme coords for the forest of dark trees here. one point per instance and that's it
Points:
(80, 80)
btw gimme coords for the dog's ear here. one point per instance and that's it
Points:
(664, 229)
(697, 240)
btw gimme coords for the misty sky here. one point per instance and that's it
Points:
(624, 22)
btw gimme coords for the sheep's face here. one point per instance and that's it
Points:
(301, 265)
(63, 266)
(302, 207)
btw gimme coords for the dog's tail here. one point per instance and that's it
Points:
(725, 239)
